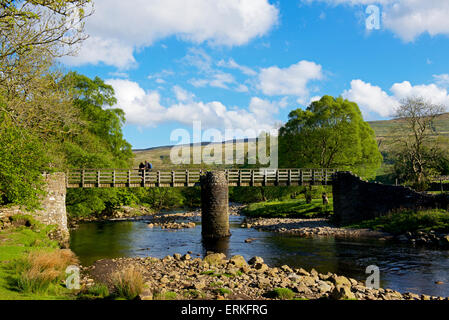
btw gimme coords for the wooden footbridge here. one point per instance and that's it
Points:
(133, 178)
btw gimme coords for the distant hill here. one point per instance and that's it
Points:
(383, 127)
(160, 156)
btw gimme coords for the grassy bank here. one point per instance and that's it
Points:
(409, 221)
(296, 208)
(31, 265)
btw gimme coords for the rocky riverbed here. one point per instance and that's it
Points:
(215, 277)
(310, 228)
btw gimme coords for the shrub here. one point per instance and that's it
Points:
(128, 283)
(40, 270)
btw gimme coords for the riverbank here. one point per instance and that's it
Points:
(318, 227)
(163, 219)
(428, 228)
(31, 264)
(217, 278)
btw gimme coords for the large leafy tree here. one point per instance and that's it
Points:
(100, 142)
(35, 115)
(330, 133)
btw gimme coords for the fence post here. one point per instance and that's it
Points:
(129, 178)
(289, 177)
(113, 178)
(301, 177)
(82, 178)
(187, 178)
(158, 178)
(240, 177)
(265, 178)
(252, 177)
(277, 177)
(313, 176)
(173, 178)
(98, 178)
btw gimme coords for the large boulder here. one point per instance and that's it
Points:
(342, 293)
(238, 261)
(215, 259)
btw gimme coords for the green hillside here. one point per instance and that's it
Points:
(160, 156)
(382, 128)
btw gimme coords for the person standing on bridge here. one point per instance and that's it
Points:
(142, 169)
(148, 166)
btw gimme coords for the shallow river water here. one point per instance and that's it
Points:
(402, 268)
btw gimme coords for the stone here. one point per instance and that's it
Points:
(323, 286)
(263, 283)
(342, 293)
(301, 288)
(340, 281)
(215, 259)
(238, 261)
(261, 267)
(302, 272)
(308, 281)
(294, 277)
(186, 257)
(177, 256)
(199, 285)
(286, 269)
(255, 260)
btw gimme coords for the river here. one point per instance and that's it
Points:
(402, 268)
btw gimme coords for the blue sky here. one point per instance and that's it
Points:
(246, 64)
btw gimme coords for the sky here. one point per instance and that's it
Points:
(246, 64)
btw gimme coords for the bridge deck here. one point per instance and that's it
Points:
(133, 178)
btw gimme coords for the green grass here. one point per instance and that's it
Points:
(289, 209)
(169, 295)
(409, 221)
(15, 245)
(223, 291)
(211, 273)
(282, 293)
(193, 294)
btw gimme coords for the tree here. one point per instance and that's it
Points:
(417, 150)
(330, 133)
(51, 26)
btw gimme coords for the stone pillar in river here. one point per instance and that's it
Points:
(215, 205)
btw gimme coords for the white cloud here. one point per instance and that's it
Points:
(408, 18)
(217, 80)
(289, 81)
(430, 92)
(182, 95)
(373, 100)
(442, 79)
(118, 28)
(234, 65)
(144, 108)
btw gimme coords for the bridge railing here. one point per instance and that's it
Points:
(116, 178)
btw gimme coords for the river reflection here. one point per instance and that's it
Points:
(402, 268)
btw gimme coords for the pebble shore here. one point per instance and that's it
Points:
(218, 278)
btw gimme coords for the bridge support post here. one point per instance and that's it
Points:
(214, 205)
